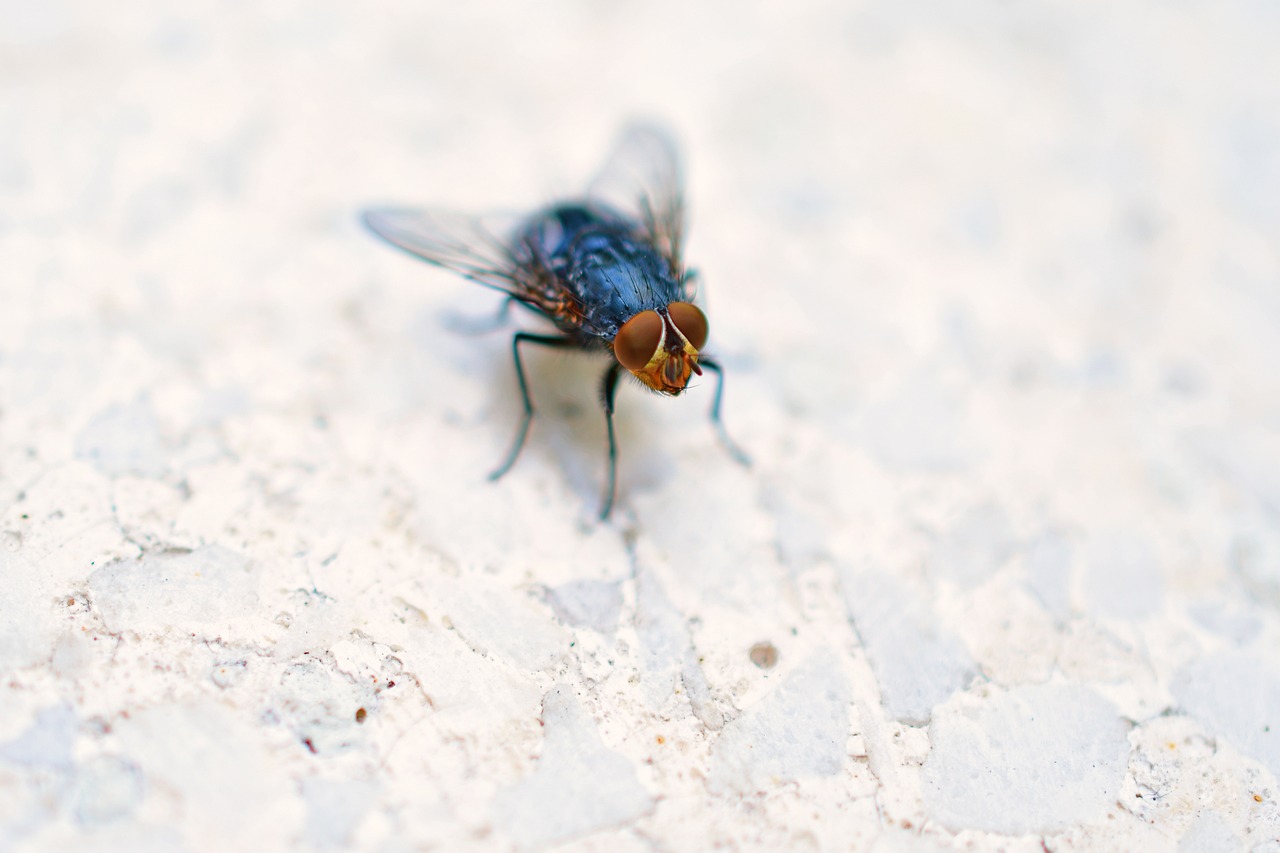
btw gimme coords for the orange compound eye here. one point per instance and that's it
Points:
(691, 322)
(638, 340)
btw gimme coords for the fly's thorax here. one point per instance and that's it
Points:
(615, 276)
(660, 347)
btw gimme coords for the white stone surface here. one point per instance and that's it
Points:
(579, 786)
(917, 663)
(798, 730)
(997, 291)
(1038, 759)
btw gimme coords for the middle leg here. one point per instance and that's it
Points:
(541, 340)
(610, 389)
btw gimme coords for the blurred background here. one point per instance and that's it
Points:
(893, 205)
(997, 288)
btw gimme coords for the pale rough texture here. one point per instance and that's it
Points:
(579, 786)
(996, 290)
(1238, 696)
(797, 730)
(1209, 834)
(918, 664)
(590, 603)
(174, 590)
(1033, 760)
(1122, 578)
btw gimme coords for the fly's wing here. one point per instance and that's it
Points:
(642, 177)
(477, 248)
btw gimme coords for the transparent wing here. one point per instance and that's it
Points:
(642, 177)
(474, 247)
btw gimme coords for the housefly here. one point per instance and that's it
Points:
(606, 269)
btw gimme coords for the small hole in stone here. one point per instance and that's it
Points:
(764, 655)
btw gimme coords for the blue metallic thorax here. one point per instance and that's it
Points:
(603, 261)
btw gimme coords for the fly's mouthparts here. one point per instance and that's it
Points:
(672, 370)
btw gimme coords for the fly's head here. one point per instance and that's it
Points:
(661, 347)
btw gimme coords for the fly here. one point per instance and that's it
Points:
(606, 269)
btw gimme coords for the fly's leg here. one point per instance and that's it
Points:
(689, 285)
(479, 326)
(541, 340)
(733, 449)
(611, 485)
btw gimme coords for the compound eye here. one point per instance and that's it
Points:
(691, 322)
(638, 340)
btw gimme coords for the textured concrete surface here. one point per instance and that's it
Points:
(998, 292)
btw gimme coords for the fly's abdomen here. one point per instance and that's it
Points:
(553, 231)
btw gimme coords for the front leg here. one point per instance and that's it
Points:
(736, 452)
(689, 285)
